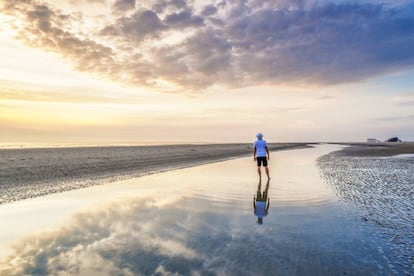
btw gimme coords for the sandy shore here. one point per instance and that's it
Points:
(27, 173)
(378, 182)
(379, 149)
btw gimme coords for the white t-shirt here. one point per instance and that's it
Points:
(260, 209)
(260, 148)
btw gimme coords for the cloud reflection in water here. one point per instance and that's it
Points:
(191, 236)
(205, 225)
(123, 239)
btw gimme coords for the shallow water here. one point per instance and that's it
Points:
(195, 221)
(36, 172)
(381, 190)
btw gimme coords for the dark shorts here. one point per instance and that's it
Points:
(261, 160)
(261, 196)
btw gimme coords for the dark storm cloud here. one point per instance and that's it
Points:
(233, 43)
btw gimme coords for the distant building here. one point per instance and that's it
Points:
(373, 141)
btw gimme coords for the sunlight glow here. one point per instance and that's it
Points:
(201, 75)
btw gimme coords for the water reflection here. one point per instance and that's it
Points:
(192, 237)
(128, 238)
(197, 221)
(261, 202)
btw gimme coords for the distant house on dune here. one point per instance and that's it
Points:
(393, 139)
(373, 141)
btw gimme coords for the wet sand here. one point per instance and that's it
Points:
(378, 183)
(28, 173)
(196, 221)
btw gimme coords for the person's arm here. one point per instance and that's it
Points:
(268, 154)
(254, 153)
(254, 204)
(268, 203)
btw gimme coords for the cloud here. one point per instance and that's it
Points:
(143, 23)
(183, 19)
(399, 119)
(129, 238)
(162, 5)
(326, 97)
(184, 45)
(55, 96)
(204, 54)
(124, 5)
(104, 242)
(77, 2)
(178, 235)
(209, 10)
(406, 99)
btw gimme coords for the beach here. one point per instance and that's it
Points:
(200, 221)
(135, 138)
(32, 172)
(378, 182)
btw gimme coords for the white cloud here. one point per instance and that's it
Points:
(232, 43)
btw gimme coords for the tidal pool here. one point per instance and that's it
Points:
(195, 221)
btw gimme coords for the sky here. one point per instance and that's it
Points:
(192, 71)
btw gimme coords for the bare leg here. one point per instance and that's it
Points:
(259, 187)
(267, 186)
(267, 172)
(259, 171)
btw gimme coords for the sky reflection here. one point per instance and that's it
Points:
(138, 237)
(203, 224)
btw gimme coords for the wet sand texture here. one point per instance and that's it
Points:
(27, 173)
(382, 189)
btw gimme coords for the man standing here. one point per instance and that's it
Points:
(261, 154)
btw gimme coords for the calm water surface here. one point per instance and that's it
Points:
(196, 221)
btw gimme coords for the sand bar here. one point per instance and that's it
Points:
(378, 149)
(28, 173)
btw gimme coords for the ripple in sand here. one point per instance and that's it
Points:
(383, 190)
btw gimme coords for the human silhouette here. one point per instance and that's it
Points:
(261, 202)
(261, 155)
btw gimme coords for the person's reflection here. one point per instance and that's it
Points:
(261, 202)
